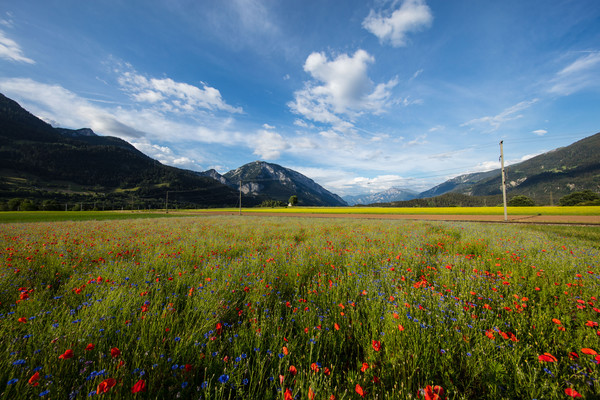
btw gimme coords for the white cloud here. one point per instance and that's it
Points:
(540, 132)
(393, 26)
(581, 74)
(61, 107)
(10, 50)
(493, 123)
(268, 144)
(173, 96)
(165, 155)
(340, 89)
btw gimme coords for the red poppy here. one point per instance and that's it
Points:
(285, 351)
(314, 367)
(376, 345)
(359, 390)
(556, 321)
(140, 386)
(105, 385)
(572, 392)
(547, 357)
(293, 370)
(33, 381)
(336, 326)
(433, 393)
(188, 367)
(90, 347)
(364, 367)
(326, 371)
(67, 354)
(115, 352)
(589, 351)
(311, 394)
(23, 320)
(288, 395)
(400, 328)
(219, 328)
(591, 324)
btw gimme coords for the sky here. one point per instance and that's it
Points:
(358, 95)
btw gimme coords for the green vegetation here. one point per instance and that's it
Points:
(274, 308)
(584, 210)
(521, 201)
(584, 197)
(49, 216)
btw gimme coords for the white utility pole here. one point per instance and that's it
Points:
(503, 181)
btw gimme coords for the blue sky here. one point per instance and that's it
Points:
(357, 95)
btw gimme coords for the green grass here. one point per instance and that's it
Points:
(587, 210)
(48, 216)
(223, 307)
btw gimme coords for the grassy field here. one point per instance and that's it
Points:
(221, 307)
(40, 216)
(590, 210)
(49, 216)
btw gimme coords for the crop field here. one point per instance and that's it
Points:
(223, 307)
(547, 210)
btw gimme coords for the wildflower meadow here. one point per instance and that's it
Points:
(228, 307)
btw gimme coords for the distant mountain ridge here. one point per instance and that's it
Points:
(545, 178)
(280, 183)
(386, 196)
(39, 160)
(43, 162)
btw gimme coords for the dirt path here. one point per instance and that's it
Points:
(527, 219)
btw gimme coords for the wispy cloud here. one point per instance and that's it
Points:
(581, 74)
(393, 25)
(173, 96)
(10, 50)
(493, 123)
(540, 132)
(340, 90)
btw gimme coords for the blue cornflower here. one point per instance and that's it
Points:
(19, 362)
(184, 385)
(13, 380)
(223, 378)
(45, 392)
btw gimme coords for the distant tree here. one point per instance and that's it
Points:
(51, 205)
(272, 203)
(28, 205)
(293, 200)
(521, 201)
(14, 204)
(576, 198)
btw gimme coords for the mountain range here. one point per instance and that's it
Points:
(386, 196)
(48, 164)
(544, 178)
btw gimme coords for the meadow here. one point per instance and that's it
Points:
(228, 307)
(541, 210)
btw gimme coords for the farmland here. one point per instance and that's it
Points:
(220, 307)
